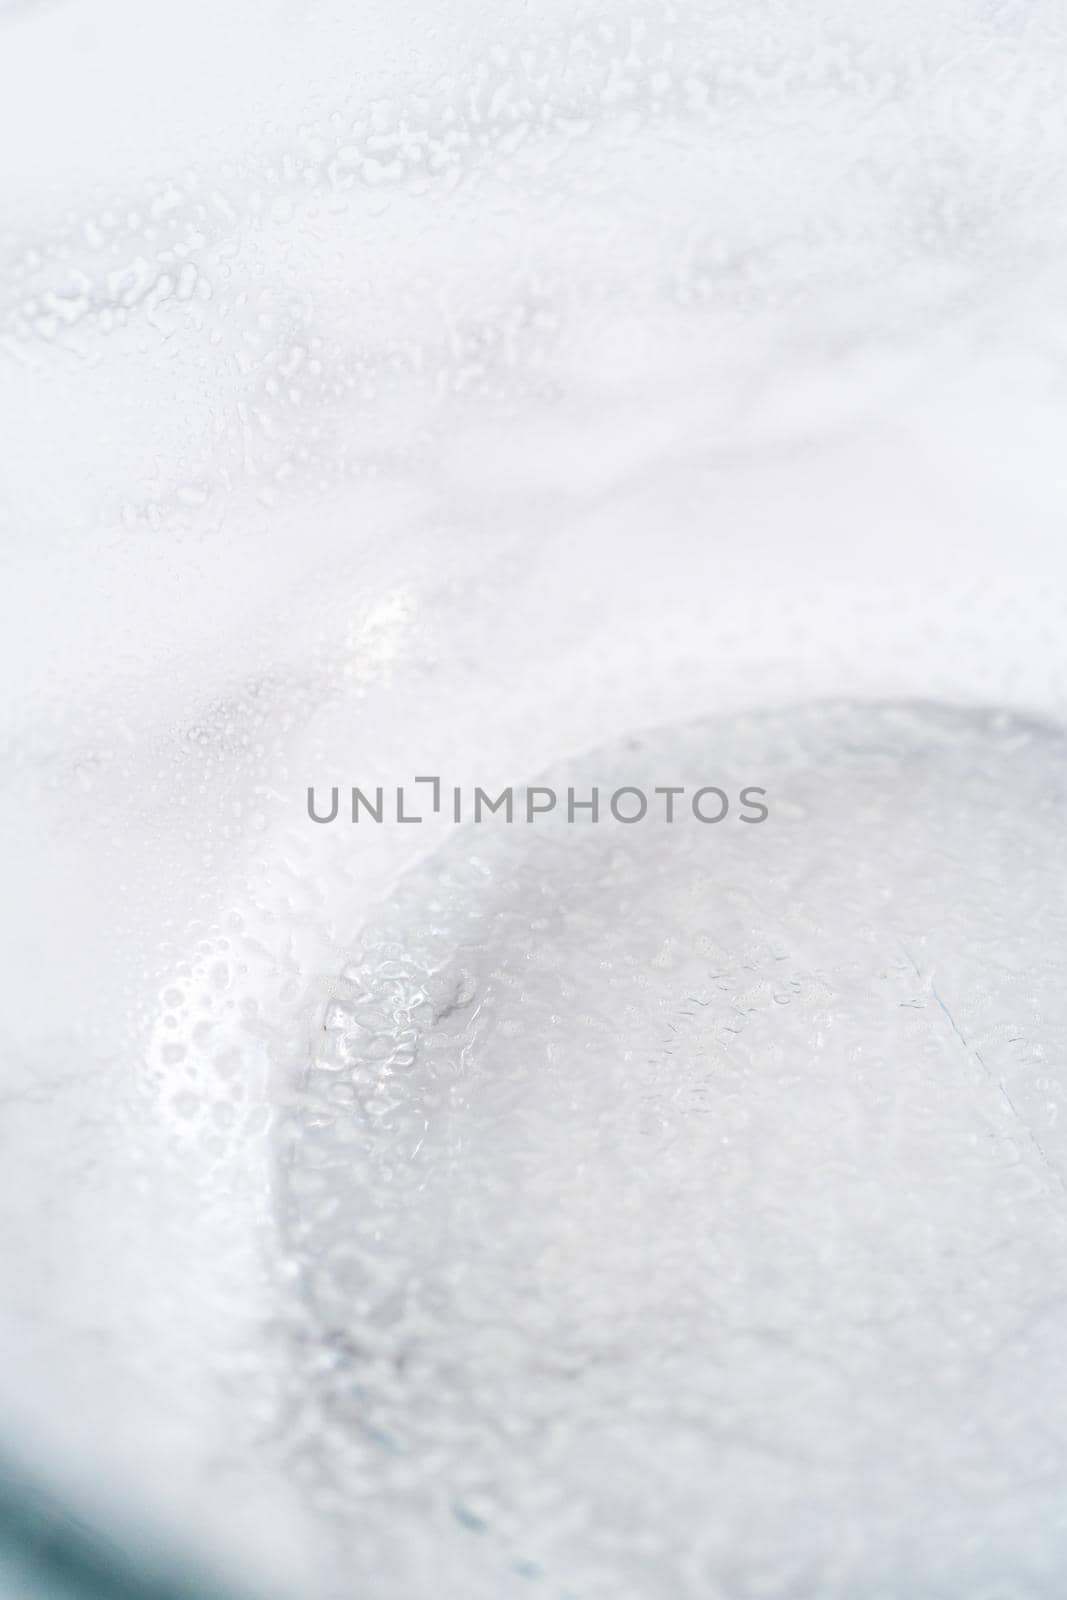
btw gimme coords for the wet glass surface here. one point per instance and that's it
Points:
(595, 394)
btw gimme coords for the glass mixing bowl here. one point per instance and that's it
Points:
(656, 399)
